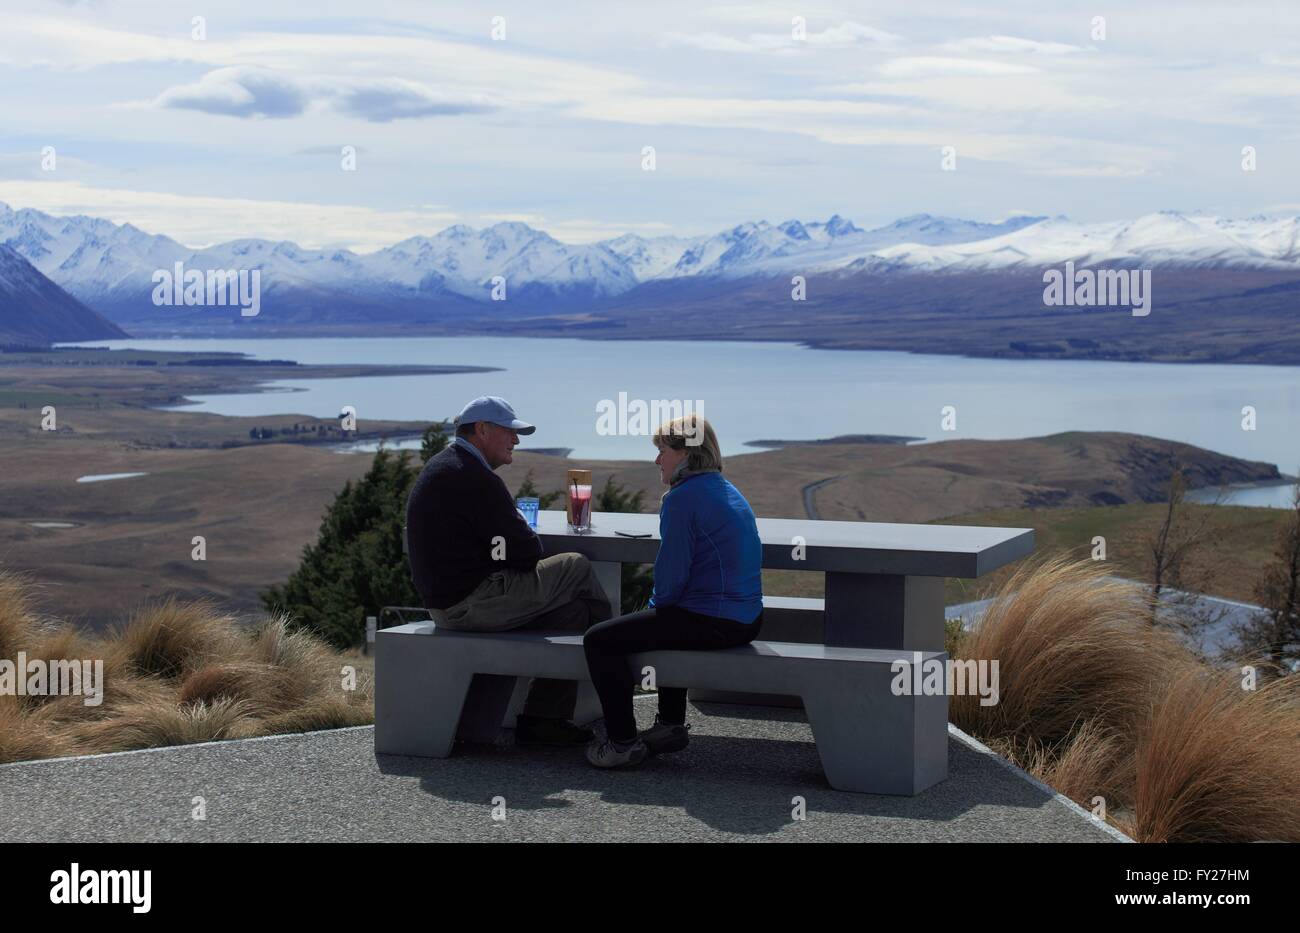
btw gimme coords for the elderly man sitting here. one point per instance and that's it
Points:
(478, 566)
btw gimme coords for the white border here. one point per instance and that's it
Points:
(977, 746)
(174, 748)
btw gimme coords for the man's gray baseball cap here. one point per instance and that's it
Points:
(497, 411)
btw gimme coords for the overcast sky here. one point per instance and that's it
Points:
(241, 133)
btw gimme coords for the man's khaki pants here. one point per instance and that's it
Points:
(560, 594)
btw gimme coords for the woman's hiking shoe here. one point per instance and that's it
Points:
(609, 754)
(664, 737)
(530, 730)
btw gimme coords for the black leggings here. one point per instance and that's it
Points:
(609, 643)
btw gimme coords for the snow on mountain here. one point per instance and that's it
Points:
(34, 309)
(285, 264)
(1159, 239)
(86, 256)
(650, 258)
(105, 264)
(928, 230)
(725, 252)
(763, 249)
(465, 261)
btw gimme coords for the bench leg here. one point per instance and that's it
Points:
(872, 742)
(485, 707)
(586, 709)
(609, 574)
(419, 698)
(877, 610)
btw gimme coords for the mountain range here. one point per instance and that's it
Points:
(450, 276)
(33, 310)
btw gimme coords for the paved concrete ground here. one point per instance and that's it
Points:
(736, 781)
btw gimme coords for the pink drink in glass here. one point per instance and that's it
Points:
(580, 507)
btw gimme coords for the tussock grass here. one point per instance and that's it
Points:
(120, 691)
(171, 638)
(24, 737)
(311, 662)
(1220, 763)
(261, 687)
(1071, 648)
(331, 713)
(1096, 702)
(151, 725)
(1093, 762)
(18, 624)
(175, 673)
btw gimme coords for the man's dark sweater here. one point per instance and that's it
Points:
(456, 508)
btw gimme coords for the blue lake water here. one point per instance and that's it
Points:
(782, 390)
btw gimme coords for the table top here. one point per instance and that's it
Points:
(846, 547)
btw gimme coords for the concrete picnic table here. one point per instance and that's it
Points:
(884, 581)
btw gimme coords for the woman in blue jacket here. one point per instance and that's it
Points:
(707, 592)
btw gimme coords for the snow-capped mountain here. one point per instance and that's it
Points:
(650, 258)
(1167, 238)
(465, 261)
(110, 266)
(33, 309)
(86, 256)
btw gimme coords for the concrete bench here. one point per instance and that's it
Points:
(785, 618)
(436, 686)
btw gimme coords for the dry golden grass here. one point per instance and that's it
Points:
(1071, 647)
(1221, 764)
(175, 673)
(172, 638)
(150, 725)
(18, 624)
(1097, 703)
(330, 713)
(1092, 763)
(263, 687)
(121, 691)
(309, 660)
(24, 737)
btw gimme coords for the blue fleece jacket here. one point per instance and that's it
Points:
(710, 556)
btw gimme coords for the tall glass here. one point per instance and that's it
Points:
(579, 505)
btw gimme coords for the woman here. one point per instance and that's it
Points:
(707, 592)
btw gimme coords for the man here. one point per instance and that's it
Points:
(477, 562)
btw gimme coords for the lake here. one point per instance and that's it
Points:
(754, 391)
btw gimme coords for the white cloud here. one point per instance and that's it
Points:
(928, 65)
(580, 230)
(854, 113)
(845, 35)
(198, 220)
(70, 43)
(1096, 171)
(1010, 44)
(958, 97)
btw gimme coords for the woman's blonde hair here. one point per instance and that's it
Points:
(693, 434)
